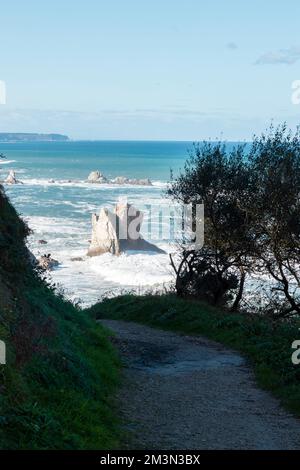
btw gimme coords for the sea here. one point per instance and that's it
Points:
(57, 202)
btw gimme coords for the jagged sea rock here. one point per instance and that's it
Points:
(118, 231)
(104, 234)
(97, 177)
(47, 263)
(129, 221)
(42, 242)
(120, 180)
(11, 178)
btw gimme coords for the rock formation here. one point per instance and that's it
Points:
(118, 231)
(140, 182)
(97, 177)
(11, 178)
(104, 234)
(47, 263)
(135, 181)
(120, 180)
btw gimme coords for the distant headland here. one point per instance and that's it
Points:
(28, 137)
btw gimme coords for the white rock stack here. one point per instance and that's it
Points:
(118, 231)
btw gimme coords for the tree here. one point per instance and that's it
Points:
(218, 179)
(203, 274)
(274, 160)
(252, 220)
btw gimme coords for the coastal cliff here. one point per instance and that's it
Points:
(31, 137)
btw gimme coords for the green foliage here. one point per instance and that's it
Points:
(274, 163)
(220, 181)
(266, 343)
(252, 212)
(57, 388)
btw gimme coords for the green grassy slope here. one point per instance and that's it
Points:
(57, 388)
(265, 343)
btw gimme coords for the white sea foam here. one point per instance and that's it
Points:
(85, 184)
(6, 162)
(134, 268)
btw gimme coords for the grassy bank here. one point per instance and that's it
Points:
(265, 343)
(57, 388)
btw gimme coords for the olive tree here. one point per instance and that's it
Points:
(220, 180)
(274, 160)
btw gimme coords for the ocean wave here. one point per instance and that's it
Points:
(160, 184)
(6, 162)
(92, 277)
(85, 184)
(136, 269)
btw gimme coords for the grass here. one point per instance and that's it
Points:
(57, 388)
(267, 344)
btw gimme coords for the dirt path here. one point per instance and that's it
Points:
(182, 392)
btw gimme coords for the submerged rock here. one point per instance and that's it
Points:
(134, 181)
(118, 231)
(140, 182)
(42, 242)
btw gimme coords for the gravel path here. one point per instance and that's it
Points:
(184, 392)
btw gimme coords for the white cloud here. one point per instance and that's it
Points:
(283, 56)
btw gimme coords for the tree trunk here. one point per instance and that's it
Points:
(239, 295)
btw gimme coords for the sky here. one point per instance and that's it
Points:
(149, 70)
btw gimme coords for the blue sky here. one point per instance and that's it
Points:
(177, 70)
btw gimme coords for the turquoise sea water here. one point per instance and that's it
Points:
(132, 159)
(37, 163)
